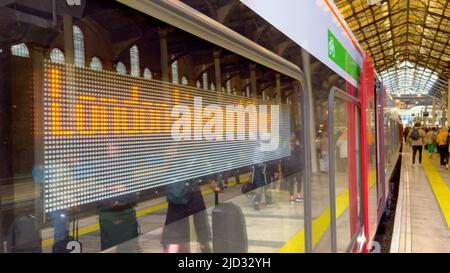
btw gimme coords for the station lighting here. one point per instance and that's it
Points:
(374, 2)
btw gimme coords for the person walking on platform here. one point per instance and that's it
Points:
(260, 177)
(342, 145)
(431, 141)
(185, 199)
(442, 142)
(291, 168)
(405, 133)
(416, 138)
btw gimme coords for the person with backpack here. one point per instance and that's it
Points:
(416, 138)
(184, 198)
(261, 179)
(448, 148)
(442, 142)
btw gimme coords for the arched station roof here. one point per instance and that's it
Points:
(409, 41)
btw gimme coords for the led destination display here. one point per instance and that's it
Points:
(108, 135)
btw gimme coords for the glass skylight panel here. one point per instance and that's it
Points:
(408, 78)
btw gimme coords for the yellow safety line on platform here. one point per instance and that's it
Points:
(92, 228)
(440, 188)
(321, 224)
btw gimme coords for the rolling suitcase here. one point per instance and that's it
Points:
(229, 228)
(72, 243)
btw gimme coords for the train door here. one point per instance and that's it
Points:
(344, 170)
(379, 96)
(368, 148)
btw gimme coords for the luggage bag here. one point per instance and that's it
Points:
(229, 228)
(24, 236)
(117, 225)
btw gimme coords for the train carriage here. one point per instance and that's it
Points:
(144, 109)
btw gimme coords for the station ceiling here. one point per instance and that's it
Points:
(409, 41)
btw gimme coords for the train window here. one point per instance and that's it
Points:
(205, 80)
(174, 67)
(115, 148)
(228, 86)
(184, 80)
(96, 64)
(372, 176)
(57, 56)
(20, 50)
(120, 68)
(148, 74)
(134, 60)
(78, 42)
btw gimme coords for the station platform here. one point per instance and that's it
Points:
(422, 217)
(151, 215)
(283, 223)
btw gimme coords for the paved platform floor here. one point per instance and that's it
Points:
(420, 223)
(278, 228)
(272, 229)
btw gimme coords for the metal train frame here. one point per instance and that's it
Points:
(373, 125)
(375, 111)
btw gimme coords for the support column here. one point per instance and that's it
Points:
(164, 54)
(217, 70)
(253, 88)
(306, 69)
(240, 90)
(448, 102)
(69, 53)
(443, 117)
(433, 112)
(6, 129)
(37, 54)
(296, 105)
(278, 87)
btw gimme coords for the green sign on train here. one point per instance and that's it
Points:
(339, 55)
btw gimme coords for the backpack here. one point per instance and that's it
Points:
(179, 193)
(259, 175)
(415, 135)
